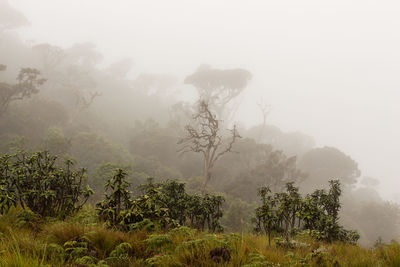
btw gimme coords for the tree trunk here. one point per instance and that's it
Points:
(269, 237)
(293, 219)
(206, 180)
(287, 231)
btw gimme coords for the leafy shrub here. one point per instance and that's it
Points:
(118, 200)
(75, 249)
(35, 181)
(120, 255)
(164, 205)
(317, 213)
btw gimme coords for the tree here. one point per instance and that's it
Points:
(317, 213)
(10, 18)
(320, 214)
(266, 214)
(218, 87)
(289, 203)
(83, 103)
(323, 164)
(265, 110)
(50, 56)
(205, 138)
(28, 84)
(117, 200)
(275, 170)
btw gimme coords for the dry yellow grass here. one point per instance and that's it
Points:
(21, 246)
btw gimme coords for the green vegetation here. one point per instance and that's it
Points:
(163, 205)
(34, 181)
(164, 226)
(82, 239)
(91, 174)
(317, 212)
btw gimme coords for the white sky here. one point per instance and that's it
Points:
(329, 68)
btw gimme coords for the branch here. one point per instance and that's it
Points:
(235, 135)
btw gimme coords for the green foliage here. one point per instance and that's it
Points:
(265, 166)
(28, 84)
(118, 209)
(158, 260)
(35, 181)
(101, 175)
(182, 231)
(237, 215)
(158, 242)
(56, 142)
(75, 249)
(317, 213)
(320, 212)
(120, 255)
(266, 214)
(118, 200)
(289, 204)
(100, 246)
(257, 260)
(8, 196)
(92, 150)
(205, 211)
(145, 225)
(162, 205)
(29, 219)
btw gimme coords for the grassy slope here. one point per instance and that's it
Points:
(25, 241)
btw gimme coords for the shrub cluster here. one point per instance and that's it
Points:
(162, 205)
(288, 211)
(36, 182)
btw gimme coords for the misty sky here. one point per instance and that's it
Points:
(328, 68)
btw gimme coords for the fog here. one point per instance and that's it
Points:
(325, 70)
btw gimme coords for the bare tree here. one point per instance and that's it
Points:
(265, 110)
(205, 138)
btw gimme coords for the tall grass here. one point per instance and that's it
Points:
(21, 245)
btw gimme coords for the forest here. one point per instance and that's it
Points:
(102, 168)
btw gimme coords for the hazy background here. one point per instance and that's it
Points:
(328, 68)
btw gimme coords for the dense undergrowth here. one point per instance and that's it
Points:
(81, 240)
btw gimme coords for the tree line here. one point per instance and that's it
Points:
(38, 183)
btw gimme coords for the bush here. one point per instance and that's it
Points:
(164, 205)
(36, 182)
(317, 213)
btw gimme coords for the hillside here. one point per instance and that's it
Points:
(82, 241)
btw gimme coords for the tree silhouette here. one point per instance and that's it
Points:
(204, 137)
